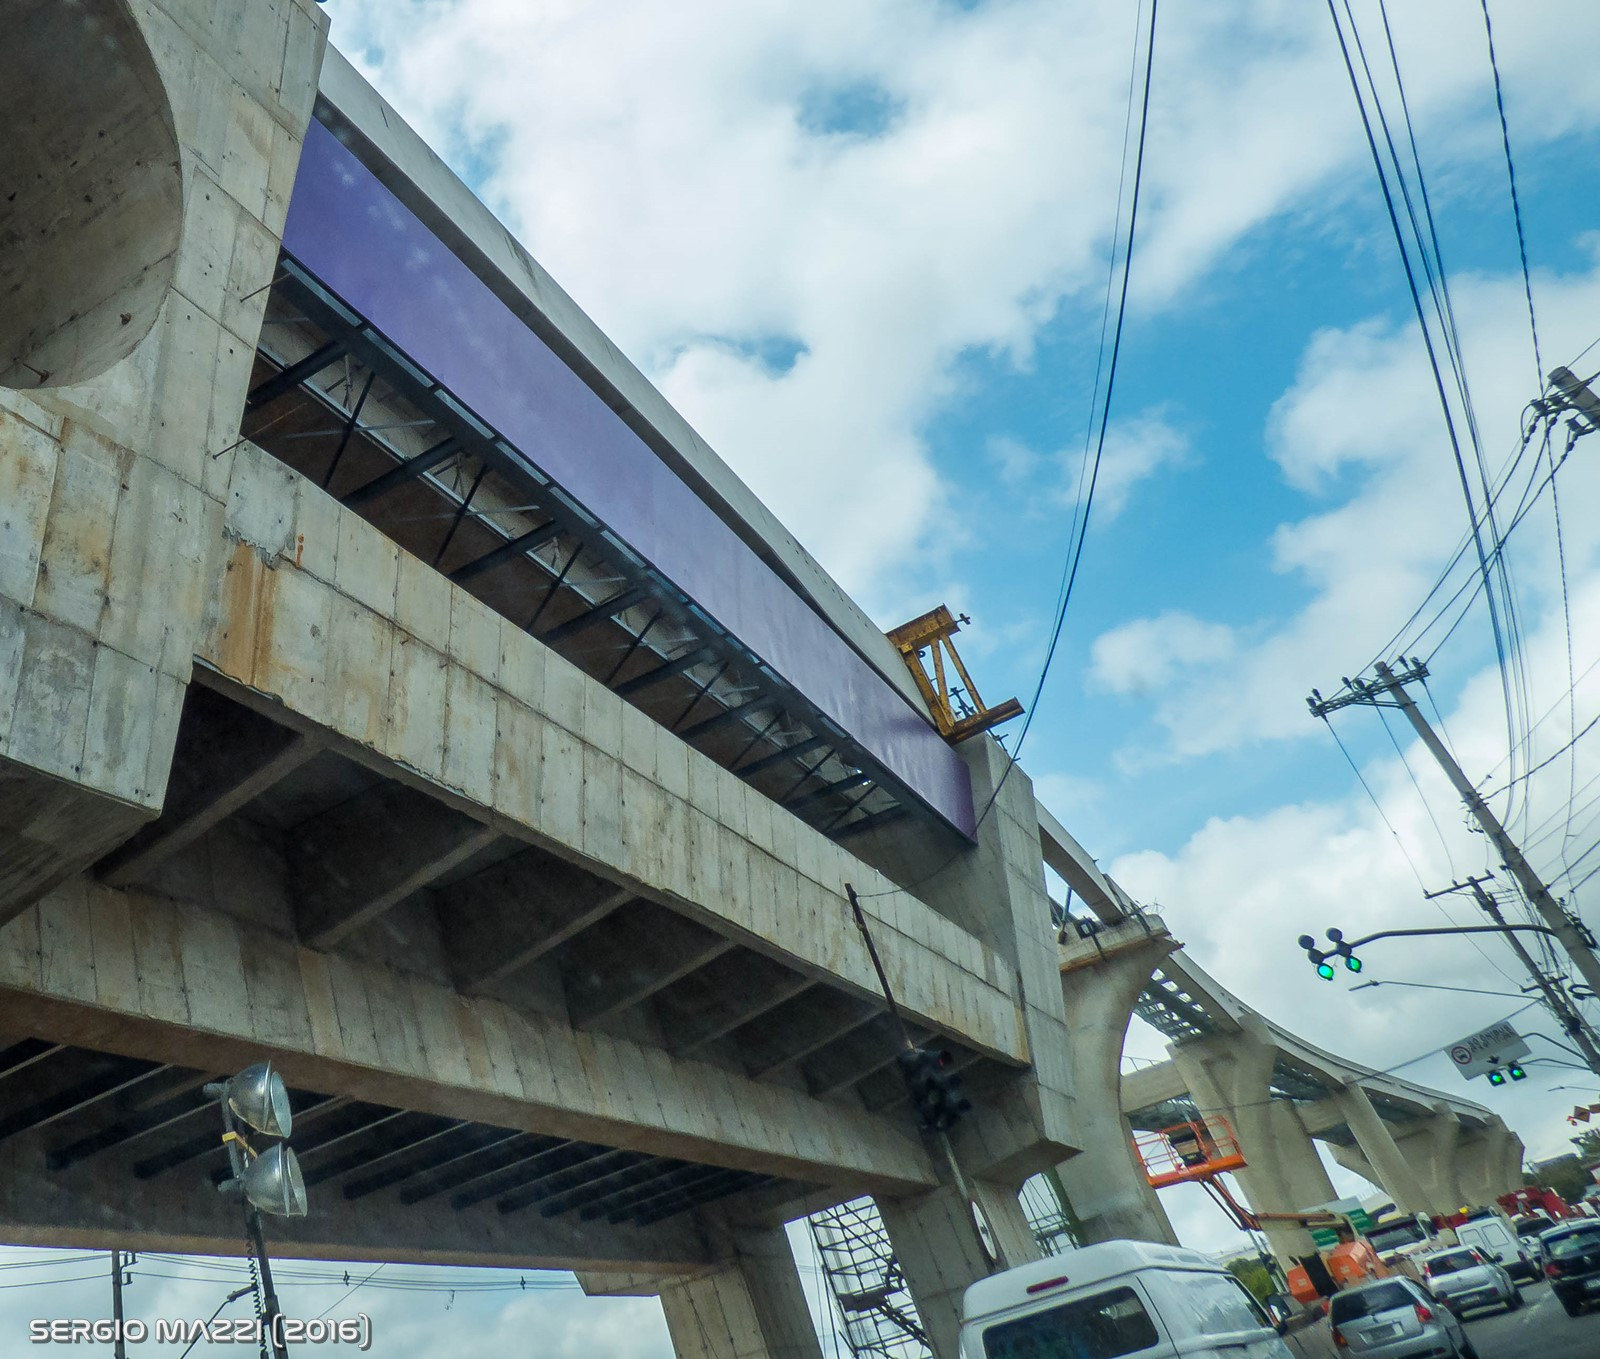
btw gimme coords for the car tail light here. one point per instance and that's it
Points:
(1424, 1313)
(1338, 1338)
(1552, 1271)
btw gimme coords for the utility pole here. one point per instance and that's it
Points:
(1390, 691)
(1566, 1014)
(119, 1346)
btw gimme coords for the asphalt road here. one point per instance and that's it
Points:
(1541, 1330)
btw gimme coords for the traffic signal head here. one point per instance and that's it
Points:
(1320, 957)
(1516, 1072)
(1498, 1077)
(934, 1086)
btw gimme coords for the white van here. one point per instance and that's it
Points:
(1498, 1239)
(1117, 1298)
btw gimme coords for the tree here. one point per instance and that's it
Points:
(1253, 1275)
(1565, 1175)
(1588, 1144)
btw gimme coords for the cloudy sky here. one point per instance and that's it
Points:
(863, 244)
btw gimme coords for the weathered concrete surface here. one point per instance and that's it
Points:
(105, 1204)
(113, 483)
(1101, 978)
(751, 1306)
(939, 1249)
(133, 973)
(325, 619)
(1283, 1174)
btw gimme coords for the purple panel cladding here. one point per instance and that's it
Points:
(370, 250)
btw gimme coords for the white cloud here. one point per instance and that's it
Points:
(663, 161)
(1150, 653)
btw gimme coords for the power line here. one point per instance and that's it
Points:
(1498, 630)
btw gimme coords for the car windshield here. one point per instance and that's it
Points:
(1102, 1326)
(1393, 1237)
(1449, 1264)
(1532, 1228)
(1366, 1302)
(1573, 1244)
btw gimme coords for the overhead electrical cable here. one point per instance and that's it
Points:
(1497, 626)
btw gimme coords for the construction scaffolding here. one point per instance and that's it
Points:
(879, 1315)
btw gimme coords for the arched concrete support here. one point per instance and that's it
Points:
(1433, 1152)
(152, 145)
(1105, 1182)
(938, 1248)
(1232, 1076)
(751, 1308)
(1395, 1173)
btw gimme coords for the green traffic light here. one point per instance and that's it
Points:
(1325, 971)
(1517, 1073)
(1353, 963)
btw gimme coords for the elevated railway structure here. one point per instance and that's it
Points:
(394, 685)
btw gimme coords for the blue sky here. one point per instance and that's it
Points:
(861, 244)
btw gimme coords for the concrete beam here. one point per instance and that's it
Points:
(1147, 1086)
(644, 951)
(501, 920)
(1395, 1173)
(237, 758)
(140, 976)
(803, 1027)
(373, 851)
(766, 987)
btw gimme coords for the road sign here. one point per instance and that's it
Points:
(1480, 1053)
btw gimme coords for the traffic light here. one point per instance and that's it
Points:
(934, 1086)
(1320, 957)
(1511, 1071)
(1516, 1072)
(1498, 1077)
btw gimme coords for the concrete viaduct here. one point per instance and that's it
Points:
(393, 684)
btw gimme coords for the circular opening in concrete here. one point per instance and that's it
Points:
(91, 191)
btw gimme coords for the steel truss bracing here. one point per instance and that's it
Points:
(865, 1279)
(336, 401)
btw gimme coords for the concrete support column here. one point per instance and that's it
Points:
(751, 1308)
(1283, 1173)
(1432, 1150)
(1396, 1175)
(1105, 1182)
(940, 1254)
(1490, 1163)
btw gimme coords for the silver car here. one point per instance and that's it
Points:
(1395, 1318)
(1465, 1278)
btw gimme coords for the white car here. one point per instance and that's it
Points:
(1465, 1278)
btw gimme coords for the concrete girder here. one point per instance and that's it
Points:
(501, 920)
(142, 977)
(1105, 1183)
(359, 859)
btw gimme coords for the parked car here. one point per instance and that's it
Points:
(1466, 1278)
(1396, 1319)
(1571, 1256)
(1494, 1236)
(1116, 1298)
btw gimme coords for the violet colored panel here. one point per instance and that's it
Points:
(369, 249)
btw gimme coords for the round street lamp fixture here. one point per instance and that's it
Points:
(257, 1097)
(273, 1183)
